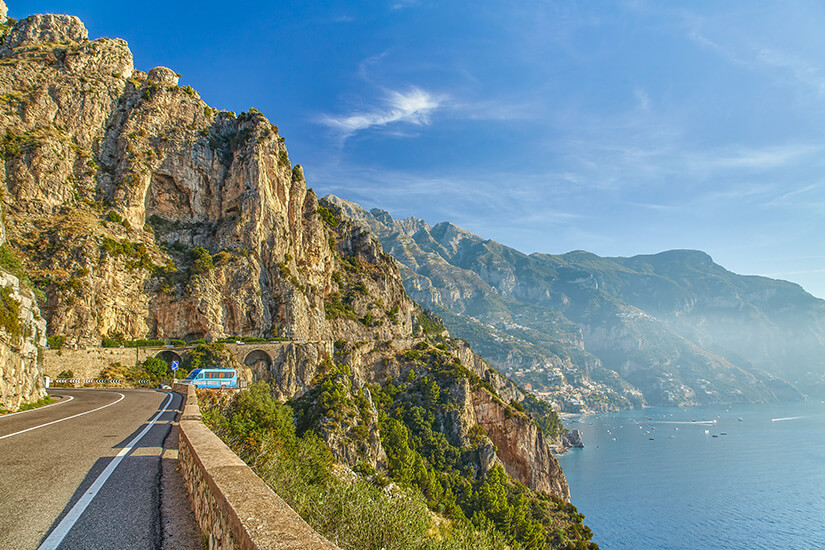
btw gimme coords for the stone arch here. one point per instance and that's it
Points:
(260, 363)
(169, 356)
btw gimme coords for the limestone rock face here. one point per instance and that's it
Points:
(43, 29)
(21, 363)
(522, 448)
(164, 75)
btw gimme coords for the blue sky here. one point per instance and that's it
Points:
(616, 127)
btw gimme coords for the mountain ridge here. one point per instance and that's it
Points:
(614, 316)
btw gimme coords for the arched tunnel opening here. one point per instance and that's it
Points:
(259, 362)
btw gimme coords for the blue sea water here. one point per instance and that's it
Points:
(656, 478)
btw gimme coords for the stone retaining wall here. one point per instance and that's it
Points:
(234, 508)
(87, 363)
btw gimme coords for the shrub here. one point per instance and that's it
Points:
(202, 261)
(10, 313)
(114, 371)
(283, 159)
(328, 216)
(66, 374)
(108, 342)
(9, 262)
(55, 341)
(177, 342)
(155, 368)
(113, 216)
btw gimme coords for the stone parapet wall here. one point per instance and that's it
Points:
(234, 508)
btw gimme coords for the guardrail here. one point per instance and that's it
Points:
(234, 508)
(89, 381)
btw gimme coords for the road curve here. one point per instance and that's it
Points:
(50, 457)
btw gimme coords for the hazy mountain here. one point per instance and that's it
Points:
(674, 326)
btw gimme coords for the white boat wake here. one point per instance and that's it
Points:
(788, 418)
(678, 422)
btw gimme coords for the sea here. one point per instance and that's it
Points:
(696, 478)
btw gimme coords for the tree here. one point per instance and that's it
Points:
(155, 368)
(202, 261)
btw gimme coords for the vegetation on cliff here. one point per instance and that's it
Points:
(388, 508)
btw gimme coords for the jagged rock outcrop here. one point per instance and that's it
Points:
(22, 337)
(573, 438)
(522, 447)
(42, 29)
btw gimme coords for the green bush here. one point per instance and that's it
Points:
(177, 342)
(155, 368)
(113, 216)
(10, 263)
(328, 216)
(107, 342)
(55, 341)
(283, 159)
(142, 343)
(10, 313)
(201, 261)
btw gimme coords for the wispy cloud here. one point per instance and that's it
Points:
(643, 98)
(764, 157)
(400, 5)
(413, 106)
(801, 69)
(756, 57)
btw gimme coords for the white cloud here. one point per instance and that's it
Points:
(413, 106)
(643, 98)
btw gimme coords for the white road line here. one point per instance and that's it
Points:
(56, 537)
(62, 419)
(2, 416)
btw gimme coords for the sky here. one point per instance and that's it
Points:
(620, 128)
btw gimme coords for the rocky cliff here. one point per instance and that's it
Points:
(22, 338)
(141, 211)
(138, 211)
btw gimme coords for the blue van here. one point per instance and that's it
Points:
(212, 378)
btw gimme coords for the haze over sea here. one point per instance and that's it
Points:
(761, 486)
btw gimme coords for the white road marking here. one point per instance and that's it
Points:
(59, 533)
(38, 408)
(62, 419)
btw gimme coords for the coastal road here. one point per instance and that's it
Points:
(73, 476)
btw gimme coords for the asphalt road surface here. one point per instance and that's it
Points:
(73, 476)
